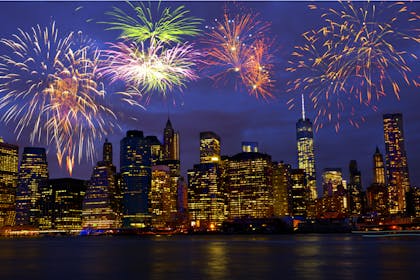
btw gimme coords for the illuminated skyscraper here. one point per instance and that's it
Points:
(162, 197)
(136, 172)
(299, 192)
(9, 158)
(306, 155)
(209, 147)
(281, 189)
(396, 162)
(249, 186)
(335, 198)
(205, 196)
(170, 142)
(33, 176)
(332, 180)
(355, 189)
(378, 168)
(101, 204)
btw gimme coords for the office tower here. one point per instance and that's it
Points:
(101, 204)
(61, 204)
(209, 147)
(306, 155)
(281, 189)
(355, 189)
(413, 202)
(299, 192)
(161, 196)
(249, 187)
(335, 202)
(32, 180)
(170, 142)
(205, 196)
(9, 158)
(396, 162)
(250, 147)
(378, 168)
(136, 172)
(156, 149)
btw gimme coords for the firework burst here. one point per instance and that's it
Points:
(139, 25)
(148, 69)
(48, 86)
(237, 47)
(353, 60)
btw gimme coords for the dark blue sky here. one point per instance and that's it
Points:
(235, 116)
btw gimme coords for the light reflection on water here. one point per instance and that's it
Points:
(210, 257)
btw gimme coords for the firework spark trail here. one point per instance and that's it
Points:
(238, 47)
(48, 86)
(147, 69)
(170, 27)
(351, 61)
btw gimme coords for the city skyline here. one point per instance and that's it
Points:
(235, 116)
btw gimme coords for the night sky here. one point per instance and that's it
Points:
(234, 115)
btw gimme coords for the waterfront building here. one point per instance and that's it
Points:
(377, 199)
(413, 202)
(32, 180)
(281, 189)
(396, 162)
(161, 196)
(306, 154)
(101, 204)
(9, 160)
(61, 204)
(136, 173)
(249, 187)
(299, 193)
(205, 196)
(209, 147)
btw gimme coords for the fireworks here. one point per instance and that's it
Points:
(147, 69)
(171, 26)
(238, 47)
(49, 83)
(353, 60)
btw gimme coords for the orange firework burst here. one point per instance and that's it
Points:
(238, 47)
(353, 60)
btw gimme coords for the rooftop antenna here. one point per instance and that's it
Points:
(303, 107)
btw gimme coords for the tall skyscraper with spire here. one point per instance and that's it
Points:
(170, 142)
(305, 148)
(396, 162)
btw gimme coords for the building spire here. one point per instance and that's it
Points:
(303, 108)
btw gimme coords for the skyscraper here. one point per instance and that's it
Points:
(32, 180)
(205, 196)
(378, 168)
(9, 158)
(396, 162)
(306, 155)
(281, 189)
(299, 192)
(136, 172)
(355, 189)
(209, 147)
(170, 142)
(162, 198)
(250, 147)
(156, 149)
(249, 186)
(101, 204)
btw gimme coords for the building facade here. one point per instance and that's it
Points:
(396, 162)
(136, 173)
(9, 160)
(209, 147)
(32, 180)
